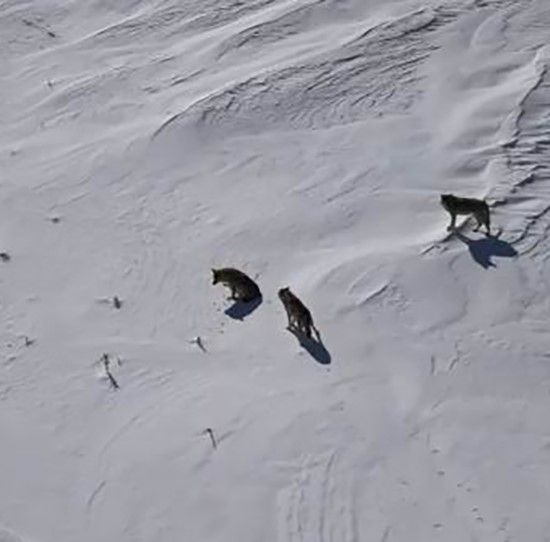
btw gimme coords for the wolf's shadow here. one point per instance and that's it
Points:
(241, 309)
(482, 250)
(316, 349)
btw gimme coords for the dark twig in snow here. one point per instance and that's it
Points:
(212, 438)
(198, 341)
(32, 24)
(106, 365)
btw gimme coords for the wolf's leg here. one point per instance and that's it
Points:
(289, 320)
(451, 226)
(317, 334)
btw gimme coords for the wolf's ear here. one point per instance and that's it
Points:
(214, 275)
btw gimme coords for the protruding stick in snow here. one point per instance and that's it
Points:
(39, 27)
(106, 365)
(212, 438)
(198, 341)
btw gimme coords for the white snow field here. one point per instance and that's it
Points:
(306, 142)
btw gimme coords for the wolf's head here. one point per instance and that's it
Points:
(284, 292)
(215, 276)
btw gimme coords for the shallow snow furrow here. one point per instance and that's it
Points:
(178, 18)
(273, 30)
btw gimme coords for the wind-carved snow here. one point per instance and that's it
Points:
(344, 85)
(306, 142)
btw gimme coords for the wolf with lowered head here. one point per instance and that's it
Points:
(242, 287)
(299, 317)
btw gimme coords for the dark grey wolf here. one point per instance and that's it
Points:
(299, 317)
(242, 287)
(466, 206)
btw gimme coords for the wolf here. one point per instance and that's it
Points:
(242, 287)
(466, 206)
(299, 317)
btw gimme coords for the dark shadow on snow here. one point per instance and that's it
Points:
(240, 309)
(316, 349)
(482, 250)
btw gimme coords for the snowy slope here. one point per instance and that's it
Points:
(306, 142)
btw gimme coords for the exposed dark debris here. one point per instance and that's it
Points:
(210, 432)
(107, 366)
(32, 24)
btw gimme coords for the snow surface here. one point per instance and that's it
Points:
(306, 142)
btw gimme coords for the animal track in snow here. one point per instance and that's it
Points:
(317, 506)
